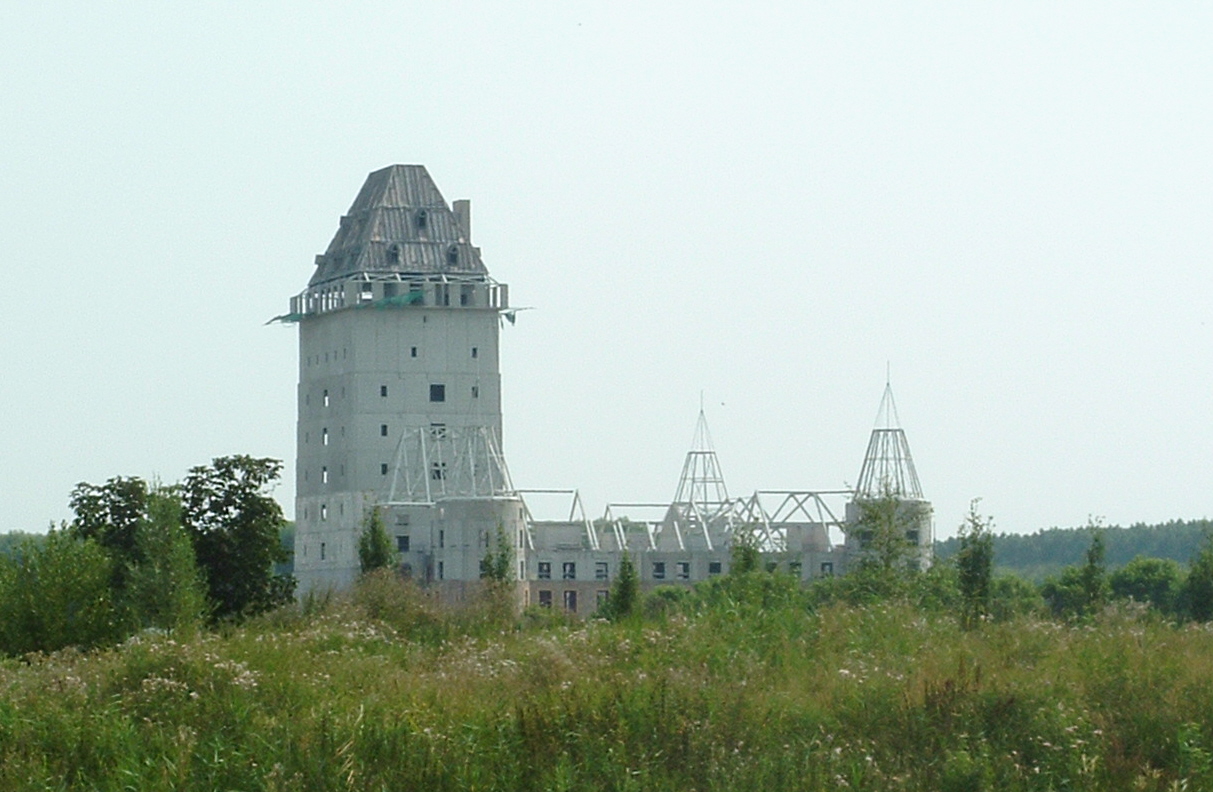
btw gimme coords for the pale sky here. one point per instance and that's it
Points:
(1008, 204)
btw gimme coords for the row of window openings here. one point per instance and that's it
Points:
(437, 472)
(314, 360)
(570, 599)
(437, 394)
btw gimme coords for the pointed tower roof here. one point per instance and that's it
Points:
(400, 223)
(888, 467)
(702, 483)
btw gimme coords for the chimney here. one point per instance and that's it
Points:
(463, 213)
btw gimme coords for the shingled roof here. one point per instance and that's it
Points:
(399, 223)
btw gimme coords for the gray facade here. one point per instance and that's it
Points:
(399, 408)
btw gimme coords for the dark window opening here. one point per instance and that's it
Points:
(437, 393)
(452, 256)
(383, 430)
(684, 570)
(322, 549)
(545, 598)
(413, 352)
(570, 601)
(422, 219)
(601, 570)
(545, 570)
(475, 391)
(326, 398)
(393, 254)
(383, 469)
(438, 471)
(402, 543)
(713, 567)
(383, 391)
(569, 570)
(658, 570)
(827, 568)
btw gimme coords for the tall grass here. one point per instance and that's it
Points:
(734, 688)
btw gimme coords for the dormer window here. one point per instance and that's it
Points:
(452, 256)
(422, 219)
(393, 254)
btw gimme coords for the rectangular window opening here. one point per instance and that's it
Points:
(713, 567)
(437, 393)
(601, 570)
(545, 570)
(684, 570)
(402, 543)
(383, 391)
(383, 469)
(383, 430)
(658, 570)
(413, 352)
(570, 601)
(545, 598)
(569, 570)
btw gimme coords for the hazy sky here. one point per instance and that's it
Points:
(1009, 204)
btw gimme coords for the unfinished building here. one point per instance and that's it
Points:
(399, 409)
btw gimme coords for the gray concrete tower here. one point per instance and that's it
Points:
(399, 397)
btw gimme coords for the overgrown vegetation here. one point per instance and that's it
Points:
(888, 678)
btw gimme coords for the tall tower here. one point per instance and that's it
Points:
(399, 398)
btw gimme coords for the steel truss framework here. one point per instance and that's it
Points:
(449, 462)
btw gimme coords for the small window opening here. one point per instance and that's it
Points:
(393, 254)
(322, 549)
(438, 431)
(422, 219)
(383, 469)
(569, 570)
(475, 391)
(475, 352)
(452, 256)
(545, 570)
(326, 398)
(440, 575)
(827, 568)
(324, 475)
(570, 601)
(442, 538)
(684, 570)
(413, 352)
(438, 393)
(713, 567)
(601, 570)
(383, 391)
(324, 436)
(383, 430)
(658, 570)
(438, 471)
(324, 512)
(545, 598)
(402, 543)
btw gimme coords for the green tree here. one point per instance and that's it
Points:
(375, 549)
(625, 592)
(166, 589)
(234, 524)
(1080, 591)
(886, 531)
(975, 566)
(111, 514)
(1154, 581)
(57, 593)
(1197, 592)
(497, 566)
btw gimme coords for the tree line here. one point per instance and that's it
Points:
(139, 556)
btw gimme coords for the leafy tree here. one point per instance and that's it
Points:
(375, 549)
(1080, 591)
(166, 590)
(111, 514)
(883, 531)
(234, 525)
(974, 566)
(1154, 581)
(1012, 596)
(55, 594)
(497, 566)
(1197, 592)
(744, 556)
(625, 592)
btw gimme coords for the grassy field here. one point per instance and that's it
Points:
(383, 691)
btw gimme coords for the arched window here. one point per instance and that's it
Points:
(393, 253)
